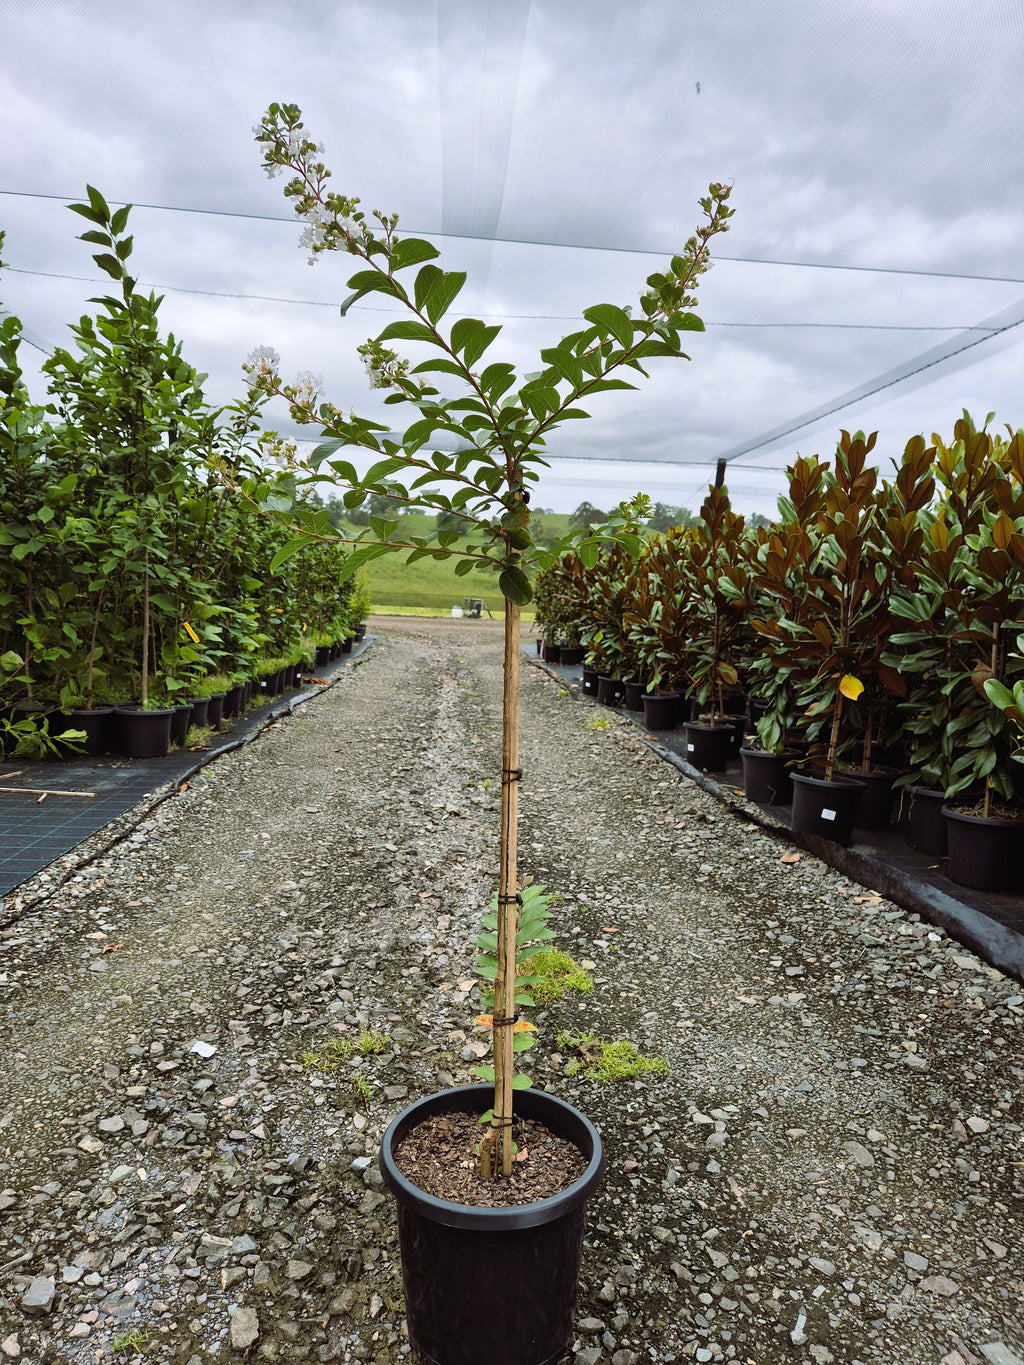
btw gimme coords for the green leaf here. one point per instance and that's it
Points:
(686, 322)
(425, 281)
(464, 567)
(607, 318)
(110, 264)
(410, 251)
(588, 551)
(603, 385)
(479, 343)
(368, 282)
(442, 365)
(515, 586)
(463, 330)
(565, 363)
(97, 238)
(407, 331)
(444, 293)
(519, 1082)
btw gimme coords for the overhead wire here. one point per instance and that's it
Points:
(570, 246)
(518, 317)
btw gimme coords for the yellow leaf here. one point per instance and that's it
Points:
(523, 1026)
(850, 686)
(484, 1020)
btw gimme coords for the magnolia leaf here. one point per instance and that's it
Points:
(850, 687)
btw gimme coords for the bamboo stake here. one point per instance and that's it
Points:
(42, 791)
(504, 984)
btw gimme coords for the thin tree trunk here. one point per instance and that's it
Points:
(504, 984)
(145, 635)
(833, 741)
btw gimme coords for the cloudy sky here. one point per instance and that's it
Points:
(556, 151)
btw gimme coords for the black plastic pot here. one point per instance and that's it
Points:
(346, 647)
(876, 802)
(215, 710)
(200, 711)
(540, 647)
(323, 655)
(572, 655)
(661, 711)
(589, 684)
(767, 777)
(610, 691)
(633, 700)
(828, 809)
(145, 734)
(361, 631)
(984, 853)
(99, 724)
(491, 1284)
(926, 827)
(708, 746)
(180, 722)
(552, 654)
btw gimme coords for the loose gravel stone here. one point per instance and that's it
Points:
(328, 879)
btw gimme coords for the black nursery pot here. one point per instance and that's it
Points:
(633, 699)
(661, 711)
(876, 801)
(828, 809)
(145, 734)
(572, 655)
(767, 777)
(610, 691)
(926, 825)
(708, 746)
(985, 853)
(323, 655)
(180, 722)
(215, 710)
(589, 684)
(491, 1284)
(552, 654)
(200, 712)
(99, 724)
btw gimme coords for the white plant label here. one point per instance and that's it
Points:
(828, 815)
(689, 748)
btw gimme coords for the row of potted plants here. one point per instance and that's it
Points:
(874, 628)
(133, 570)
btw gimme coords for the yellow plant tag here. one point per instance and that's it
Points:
(191, 633)
(850, 686)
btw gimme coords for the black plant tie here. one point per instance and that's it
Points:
(506, 1022)
(505, 1122)
(511, 775)
(509, 899)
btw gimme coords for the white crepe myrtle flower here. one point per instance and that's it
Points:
(307, 386)
(261, 364)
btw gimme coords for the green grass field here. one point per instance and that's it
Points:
(430, 585)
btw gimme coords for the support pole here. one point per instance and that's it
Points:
(720, 474)
(504, 983)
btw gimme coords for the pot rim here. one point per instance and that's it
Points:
(985, 821)
(474, 1098)
(769, 753)
(821, 783)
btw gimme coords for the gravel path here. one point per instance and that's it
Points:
(832, 1170)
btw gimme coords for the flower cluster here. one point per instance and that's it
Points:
(261, 365)
(302, 394)
(278, 452)
(384, 368)
(333, 222)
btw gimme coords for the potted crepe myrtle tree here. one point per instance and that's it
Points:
(469, 1271)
